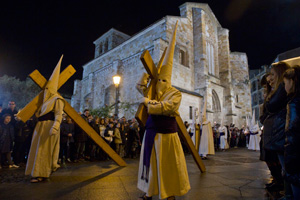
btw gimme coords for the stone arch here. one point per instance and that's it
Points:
(216, 107)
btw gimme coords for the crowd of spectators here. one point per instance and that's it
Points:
(123, 135)
(281, 134)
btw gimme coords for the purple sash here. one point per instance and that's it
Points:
(253, 133)
(155, 124)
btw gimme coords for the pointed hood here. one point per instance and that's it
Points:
(52, 84)
(254, 128)
(253, 118)
(50, 91)
(165, 72)
(291, 62)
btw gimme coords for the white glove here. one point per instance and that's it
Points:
(144, 100)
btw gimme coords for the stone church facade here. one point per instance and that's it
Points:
(203, 66)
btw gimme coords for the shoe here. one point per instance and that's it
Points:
(36, 180)
(13, 166)
(69, 160)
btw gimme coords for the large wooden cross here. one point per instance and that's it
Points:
(29, 110)
(142, 114)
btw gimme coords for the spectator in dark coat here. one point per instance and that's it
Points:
(292, 130)
(23, 136)
(7, 139)
(81, 138)
(274, 124)
(66, 139)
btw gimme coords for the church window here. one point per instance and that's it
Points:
(210, 58)
(105, 46)
(237, 98)
(253, 88)
(191, 112)
(216, 102)
(182, 57)
(100, 48)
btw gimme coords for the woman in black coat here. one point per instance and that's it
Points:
(274, 124)
(292, 130)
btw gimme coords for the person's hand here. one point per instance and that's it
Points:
(70, 135)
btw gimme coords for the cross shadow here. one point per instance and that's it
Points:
(64, 191)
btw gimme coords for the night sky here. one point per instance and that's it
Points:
(34, 34)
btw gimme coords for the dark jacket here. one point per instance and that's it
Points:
(65, 129)
(274, 124)
(6, 138)
(292, 131)
(80, 135)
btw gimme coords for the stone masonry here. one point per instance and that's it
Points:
(203, 66)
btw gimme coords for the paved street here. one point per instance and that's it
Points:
(234, 174)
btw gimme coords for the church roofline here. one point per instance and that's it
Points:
(238, 53)
(159, 22)
(203, 6)
(110, 31)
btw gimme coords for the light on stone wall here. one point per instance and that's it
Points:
(116, 80)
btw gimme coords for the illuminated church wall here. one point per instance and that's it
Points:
(203, 65)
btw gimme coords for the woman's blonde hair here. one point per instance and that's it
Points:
(279, 68)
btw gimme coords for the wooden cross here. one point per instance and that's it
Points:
(142, 114)
(29, 110)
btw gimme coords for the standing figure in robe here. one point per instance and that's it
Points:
(162, 168)
(255, 133)
(223, 136)
(44, 150)
(207, 138)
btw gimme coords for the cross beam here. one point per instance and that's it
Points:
(32, 107)
(142, 115)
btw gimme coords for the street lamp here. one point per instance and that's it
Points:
(116, 80)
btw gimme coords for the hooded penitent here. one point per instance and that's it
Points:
(165, 72)
(291, 62)
(50, 91)
(254, 128)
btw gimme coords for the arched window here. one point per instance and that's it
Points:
(210, 50)
(216, 102)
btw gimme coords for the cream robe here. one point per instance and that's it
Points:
(207, 140)
(254, 142)
(168, 173)
(223, 138)
(44, 150)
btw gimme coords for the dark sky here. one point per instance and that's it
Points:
(34, 34)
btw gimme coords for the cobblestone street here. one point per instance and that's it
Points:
(234, 174)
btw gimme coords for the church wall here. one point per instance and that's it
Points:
(197, 27)
(187, 101)
(241, 85)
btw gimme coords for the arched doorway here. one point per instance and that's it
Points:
(216, 107)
